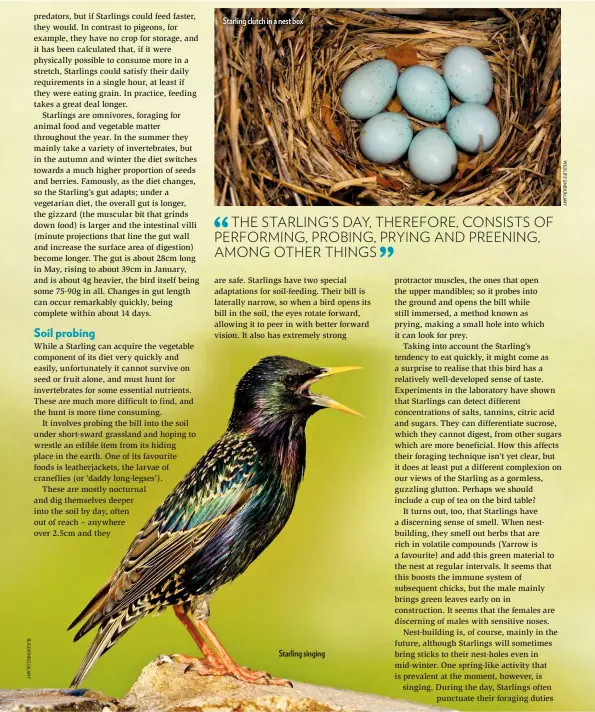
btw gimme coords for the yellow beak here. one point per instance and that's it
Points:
(325, 401)
(332, 370)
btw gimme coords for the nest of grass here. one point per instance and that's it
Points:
(282, 137)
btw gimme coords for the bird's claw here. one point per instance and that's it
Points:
(202, 666)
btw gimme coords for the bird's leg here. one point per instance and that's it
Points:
(211, 665)
(232, 668)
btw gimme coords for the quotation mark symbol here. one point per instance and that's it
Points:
(221, 222)
(390, 251)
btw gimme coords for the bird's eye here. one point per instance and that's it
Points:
(292, 380)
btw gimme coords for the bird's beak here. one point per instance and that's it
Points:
(326, 402)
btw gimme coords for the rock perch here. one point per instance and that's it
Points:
(164, 686)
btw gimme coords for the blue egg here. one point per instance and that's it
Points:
(468, 74)
(432, 156)
(385, 137)
(473, 127)
(423, 93)
(367, 91)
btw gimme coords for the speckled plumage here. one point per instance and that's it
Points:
(222, 515)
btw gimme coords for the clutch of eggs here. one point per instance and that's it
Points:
(425, 94)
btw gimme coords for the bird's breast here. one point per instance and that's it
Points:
(251, 531)
(240, 542)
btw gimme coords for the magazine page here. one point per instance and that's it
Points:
(297, 357)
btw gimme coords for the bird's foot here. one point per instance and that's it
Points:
(256, 677)
(203, 666)
(213, 666)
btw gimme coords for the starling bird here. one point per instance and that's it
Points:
(219, 518)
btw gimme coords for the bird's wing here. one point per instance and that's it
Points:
(212, 493)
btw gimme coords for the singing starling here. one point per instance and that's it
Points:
(219, 518)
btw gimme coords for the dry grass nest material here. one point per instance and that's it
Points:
(282, 137)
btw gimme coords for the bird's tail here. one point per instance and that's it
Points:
(107, 635)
